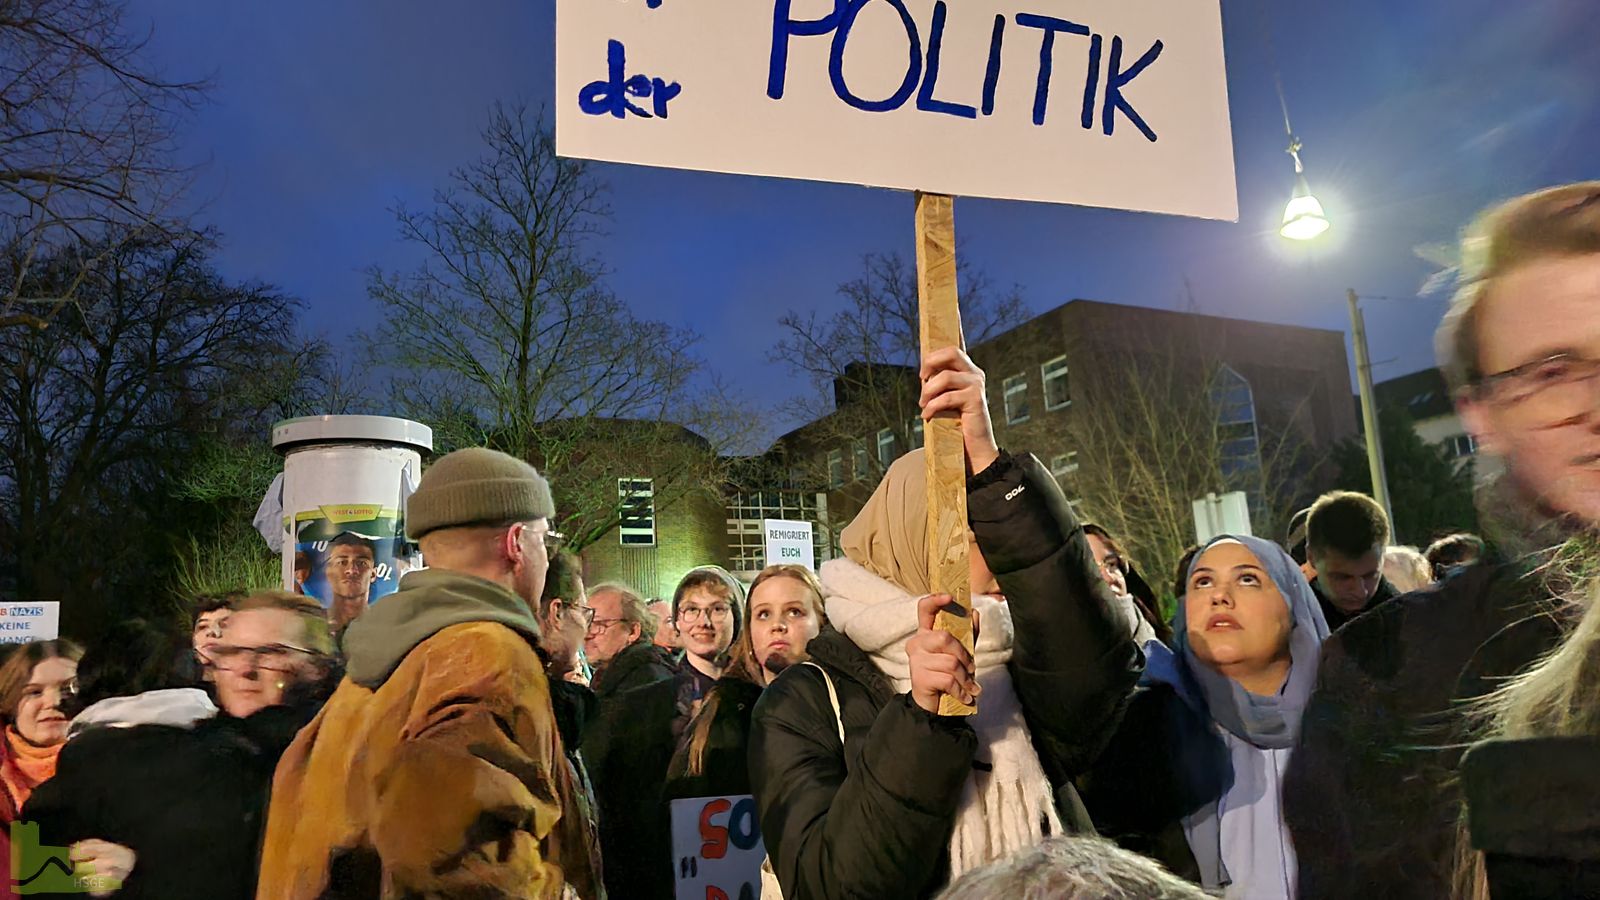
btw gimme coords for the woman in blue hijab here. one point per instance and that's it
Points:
(1194, 776)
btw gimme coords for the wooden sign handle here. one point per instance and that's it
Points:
(940, 317)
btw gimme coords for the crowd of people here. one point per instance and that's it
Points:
(1329, 717)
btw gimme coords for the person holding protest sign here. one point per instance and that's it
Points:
(1192, 777)
(864, 790)
(1372, 795)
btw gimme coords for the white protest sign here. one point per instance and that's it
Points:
(716, 848)
(1224, 514)
(1113, 103)
(23, 623)
(789, 542)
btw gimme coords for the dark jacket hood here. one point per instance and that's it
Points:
(428, 601)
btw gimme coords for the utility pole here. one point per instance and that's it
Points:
(1369, 407)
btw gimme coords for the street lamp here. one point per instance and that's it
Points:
(1303, 218)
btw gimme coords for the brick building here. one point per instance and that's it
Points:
(1287, 381)
(670, 522)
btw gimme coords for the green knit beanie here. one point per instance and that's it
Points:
(477, 486)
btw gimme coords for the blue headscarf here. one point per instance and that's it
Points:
(1262, 722)
(1268, 722)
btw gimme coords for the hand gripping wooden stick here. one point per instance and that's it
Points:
(940, 315)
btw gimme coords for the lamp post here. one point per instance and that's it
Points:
(1304, 219)
(1369, 410)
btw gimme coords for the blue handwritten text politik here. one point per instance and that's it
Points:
(611, 96)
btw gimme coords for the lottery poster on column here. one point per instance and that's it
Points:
(348, 557)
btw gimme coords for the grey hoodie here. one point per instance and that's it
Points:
(428, 601)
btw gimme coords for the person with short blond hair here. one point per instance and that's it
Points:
(1372, 795)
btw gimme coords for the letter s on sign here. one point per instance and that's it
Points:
(714, 838)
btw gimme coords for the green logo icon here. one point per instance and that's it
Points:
(37, 869)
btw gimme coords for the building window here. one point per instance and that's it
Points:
(835, 469)
(1016, 399)
(637, 499)
(886, 447)
(1064, 464)
(863, 462)
(747, 510)
(1240, 450)
(1056, 393)
(915, 431)
(1461, 446)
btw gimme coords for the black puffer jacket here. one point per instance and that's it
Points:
(1370, 795)
(872, 819)
(1165, 762)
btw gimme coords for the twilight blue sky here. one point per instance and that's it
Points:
(1414, 114)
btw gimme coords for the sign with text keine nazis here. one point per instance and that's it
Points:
(1111, 103)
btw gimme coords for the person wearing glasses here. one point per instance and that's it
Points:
(618, 643)
(437, 769)
(164, 792)
(351, 568)
(1132, 592)
(564, 619)
(1372, 794)
(631, 744)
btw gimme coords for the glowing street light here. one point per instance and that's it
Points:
(1303, 218)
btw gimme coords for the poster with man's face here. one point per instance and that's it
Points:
(347, 557)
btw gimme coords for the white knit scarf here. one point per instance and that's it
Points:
(1004, 810)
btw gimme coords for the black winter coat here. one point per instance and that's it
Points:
(873, 818)
(1535, 812)
(726, 769)
(1370, 795)
(628, 750)
(1165, 762)
(636, 666)
(190, 803)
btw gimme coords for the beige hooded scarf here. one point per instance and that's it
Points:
(871, 597)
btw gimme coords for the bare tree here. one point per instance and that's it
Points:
(508, 335)
(102, 410)
(861, 362)
(1157, 427)
(85, 143)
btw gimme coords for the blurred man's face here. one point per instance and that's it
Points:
(351, 570)
(667, 636)
(1545, 422)
(1349, 584)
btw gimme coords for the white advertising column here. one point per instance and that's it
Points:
(345, 483)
